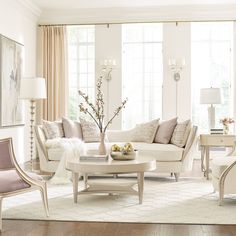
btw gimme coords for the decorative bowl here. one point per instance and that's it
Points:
(124, 156)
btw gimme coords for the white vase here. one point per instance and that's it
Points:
(102, 147)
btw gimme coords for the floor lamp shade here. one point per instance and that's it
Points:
(210, 96)
(32, 89)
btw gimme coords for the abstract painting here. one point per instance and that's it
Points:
(10, 79)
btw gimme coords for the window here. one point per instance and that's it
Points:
(141, 72)
(81, 65)
(211, 67)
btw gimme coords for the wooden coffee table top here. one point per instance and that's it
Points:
(140, 164)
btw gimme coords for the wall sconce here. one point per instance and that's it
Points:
(176, 67)
(107, 66)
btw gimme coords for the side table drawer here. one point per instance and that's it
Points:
(217, 140)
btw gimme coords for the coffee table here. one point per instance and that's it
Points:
(139, 166)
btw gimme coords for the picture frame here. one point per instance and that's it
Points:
(11, 69)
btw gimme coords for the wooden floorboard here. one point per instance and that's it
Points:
(61, 228)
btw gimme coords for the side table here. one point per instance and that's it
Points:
(213, 140)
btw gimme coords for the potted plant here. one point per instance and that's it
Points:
(96, 112)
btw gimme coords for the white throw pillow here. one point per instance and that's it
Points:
(90, 131)
(145, 132)
(165, 131)
(72, 128)
(53, 129)
(181, 133)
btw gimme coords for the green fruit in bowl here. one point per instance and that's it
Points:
(128, 147)
(115, 148)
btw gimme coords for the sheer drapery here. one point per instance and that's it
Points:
(52, 65)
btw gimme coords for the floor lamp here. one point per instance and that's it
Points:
(210, 96)
(32, 89)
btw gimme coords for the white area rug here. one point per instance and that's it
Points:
(165, 201)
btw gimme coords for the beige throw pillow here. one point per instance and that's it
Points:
(90, 131)
(181, 133)
(72, 128)
(145, 132)
(165, 131)
(53, 129)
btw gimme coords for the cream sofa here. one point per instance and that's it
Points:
(170, 158)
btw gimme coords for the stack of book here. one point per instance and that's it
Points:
(94, 158)
(216, 131)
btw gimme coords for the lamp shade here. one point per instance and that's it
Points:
(33, 88)
(210, 96)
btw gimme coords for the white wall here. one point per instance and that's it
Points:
(177, 45)
(19, 24)
(108, 46)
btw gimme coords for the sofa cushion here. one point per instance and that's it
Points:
(165, 131)
(160, 152)
(181, 133)
(145, 132)
(219, 164)
(90, 131)
(72, 128)
(53, 129)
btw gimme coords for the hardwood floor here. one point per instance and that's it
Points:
(45, 228)
(62, 228)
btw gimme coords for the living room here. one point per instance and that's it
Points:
(169, 60)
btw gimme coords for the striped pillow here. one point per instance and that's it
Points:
(180, 134)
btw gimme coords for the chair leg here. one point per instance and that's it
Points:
(43, 191)
(1, 214)
(221, 196)
(176, 177)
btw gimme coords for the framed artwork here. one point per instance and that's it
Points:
(11, 63)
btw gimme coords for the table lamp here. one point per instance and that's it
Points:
(210, 96)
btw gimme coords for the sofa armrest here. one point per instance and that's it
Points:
(191, 141)
(120, 135)
(40, 139)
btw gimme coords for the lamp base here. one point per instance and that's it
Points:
(211, 117)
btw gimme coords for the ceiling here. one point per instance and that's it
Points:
(82, 4)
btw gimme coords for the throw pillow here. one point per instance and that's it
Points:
(180, 134)
(145, 132)
(90, 131)
(53, 129)
(72, 128)
(165, 131)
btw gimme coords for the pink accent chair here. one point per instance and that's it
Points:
(13, 180)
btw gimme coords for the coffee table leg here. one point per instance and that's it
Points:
(75, 177)
(140, 186)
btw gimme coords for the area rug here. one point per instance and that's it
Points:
(191, 200)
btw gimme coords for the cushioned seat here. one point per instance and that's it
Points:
(219, 164)
(161, 152)
(11, 181)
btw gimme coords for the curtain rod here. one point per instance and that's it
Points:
(136, 22)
